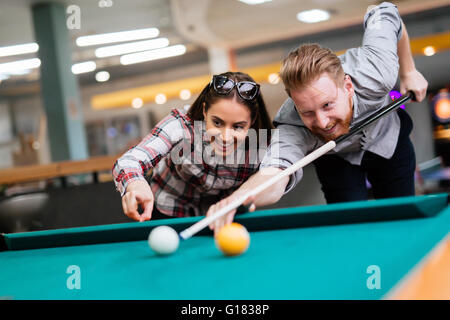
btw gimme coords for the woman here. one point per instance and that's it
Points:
(194, 156)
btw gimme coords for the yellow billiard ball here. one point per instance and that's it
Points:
(232, 239)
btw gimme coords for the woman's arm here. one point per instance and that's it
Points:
(130, 169)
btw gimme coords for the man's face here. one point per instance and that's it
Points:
(325, 108)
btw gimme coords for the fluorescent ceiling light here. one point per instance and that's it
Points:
(17, 66)
(19, 72)
(153, 54)
(131, 47)
(84, 67)
(313, 16)
(117, 37)
(19, 49)
(252, 2)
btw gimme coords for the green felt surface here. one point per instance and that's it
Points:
(307, 216)
(320, 262)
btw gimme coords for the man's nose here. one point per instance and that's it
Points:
(321, 120)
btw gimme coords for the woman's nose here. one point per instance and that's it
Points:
(227, 135)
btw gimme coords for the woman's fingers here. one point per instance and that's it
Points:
(147, 205)
(131, 206)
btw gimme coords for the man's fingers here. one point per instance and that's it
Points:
(218, 221)
(229, 217)
(249, 200)
(216, 226)
(421, 95)
(219, 224)
(247, 205)
(403, 90)
(211, 210)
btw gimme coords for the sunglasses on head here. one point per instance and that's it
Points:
(247, 90)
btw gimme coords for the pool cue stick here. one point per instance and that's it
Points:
(357, 127)
(189, 232)
(192, 230)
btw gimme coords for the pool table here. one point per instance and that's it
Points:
(357, 250)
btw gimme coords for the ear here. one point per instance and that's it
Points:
(348, 85)
(204, 110)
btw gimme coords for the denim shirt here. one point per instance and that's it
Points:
(373, 68)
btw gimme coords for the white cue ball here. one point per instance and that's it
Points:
(163, 240)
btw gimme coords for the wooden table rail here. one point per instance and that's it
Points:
(56, 170)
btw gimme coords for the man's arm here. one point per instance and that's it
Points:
(410, 78)
(269, 196)
(289, 143)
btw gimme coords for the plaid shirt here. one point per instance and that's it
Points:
(182, 186)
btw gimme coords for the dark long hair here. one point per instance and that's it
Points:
(258, 112)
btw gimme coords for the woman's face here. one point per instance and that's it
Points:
(227, 125)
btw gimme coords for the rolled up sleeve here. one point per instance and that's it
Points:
(375, 64)
(134, 164)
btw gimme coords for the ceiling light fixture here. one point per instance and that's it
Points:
(429, 51)
(120, 49)
(102, 76)
(185, 94)
(84, 67)
(19, 72)
(160, 98)
(253, 2)
(273, 78)
(137, 103)
(19, 49)
(313, 16)
(18, 66)
(156, 54)
(117, 37)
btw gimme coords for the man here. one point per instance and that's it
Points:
(326, 95)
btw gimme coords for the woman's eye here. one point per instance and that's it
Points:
(216, 123)
(238, 127)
